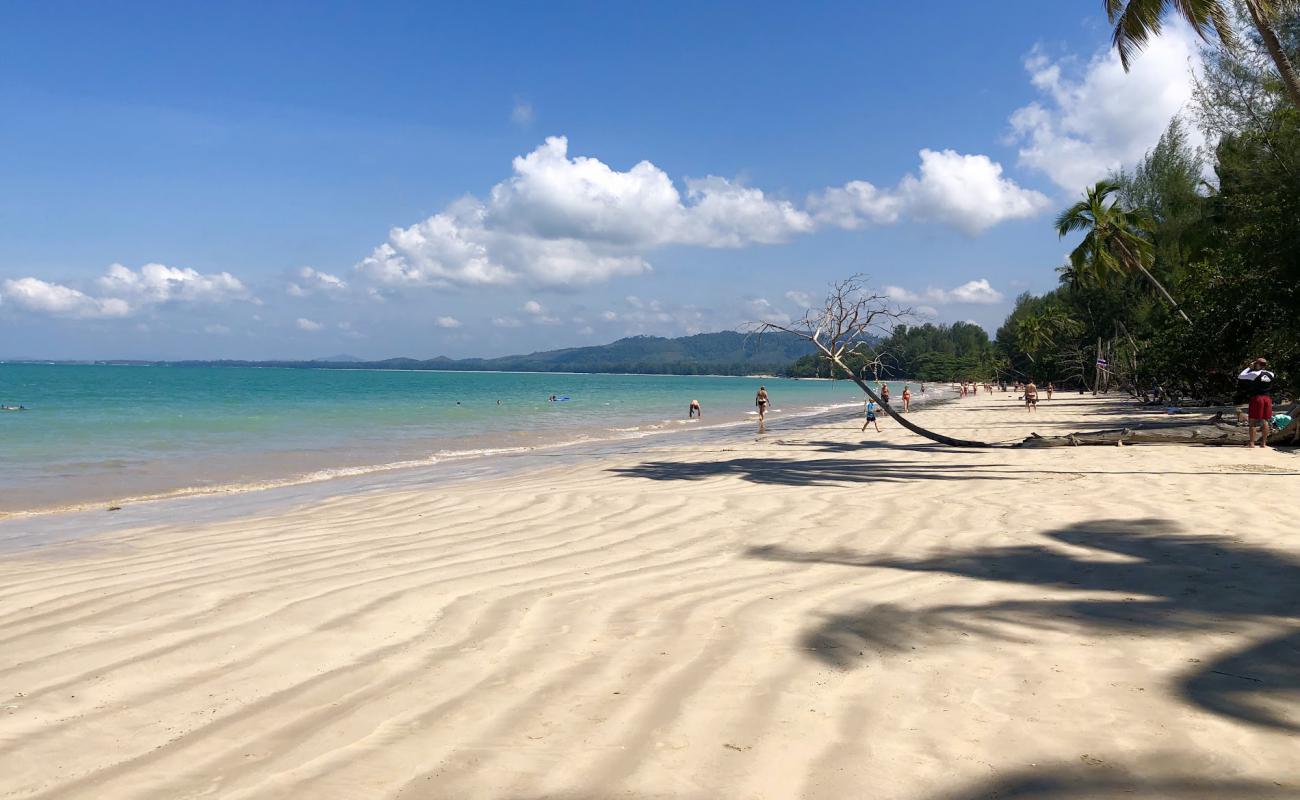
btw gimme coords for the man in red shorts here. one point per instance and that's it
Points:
(1257, 383)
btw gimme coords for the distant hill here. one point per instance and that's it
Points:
(340, 359)
(722, 353)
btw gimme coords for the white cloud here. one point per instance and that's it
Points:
(978, 292)
(159, 283)
(216, 330)
(311, 326)
(447, 322)
(767, 312)
(310, 281)
(123, 291)
(586, 330)
(522, 113)
(34, 294)
(966, 192)
(1089, 125)
(533, 307)
(855, 204)
(562, 221)
(927, 311)
(506, 322)
(609, 316)
(801, 299)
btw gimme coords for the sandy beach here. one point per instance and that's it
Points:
(820, 613)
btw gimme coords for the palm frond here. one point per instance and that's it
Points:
(1138, 22)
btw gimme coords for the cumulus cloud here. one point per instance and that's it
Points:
(122, 291)
(765, 311)
(967, 192)
(447, 322)
(801, 299)
(978, 292)
(533, 307)
(308, 325)
(34, 294)
(159, 283)
(562, 220)
(309, 281)
(1102, 118)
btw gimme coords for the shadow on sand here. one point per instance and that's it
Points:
(1100, 782)
(799, 472)
(1168, 581)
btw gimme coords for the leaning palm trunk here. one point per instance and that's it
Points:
(1284, 66)
(1136, 262)
(851, 316)
(900, 418)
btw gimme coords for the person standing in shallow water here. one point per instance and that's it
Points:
(762, 401)
(694, 410)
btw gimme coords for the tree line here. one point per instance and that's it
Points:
(1188, 264)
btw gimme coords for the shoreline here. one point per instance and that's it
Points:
(325, 475)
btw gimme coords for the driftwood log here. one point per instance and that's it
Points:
(1212, 431)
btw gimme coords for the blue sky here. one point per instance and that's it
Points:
(271, 180)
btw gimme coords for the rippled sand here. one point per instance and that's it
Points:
(820, 614)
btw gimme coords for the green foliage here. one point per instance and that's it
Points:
(920, 352)
(1229, 253)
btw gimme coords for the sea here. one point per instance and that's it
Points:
(92, 435)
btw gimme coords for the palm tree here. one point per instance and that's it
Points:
(1136, 21)
(1115, 241)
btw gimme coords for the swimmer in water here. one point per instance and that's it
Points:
(694, 410)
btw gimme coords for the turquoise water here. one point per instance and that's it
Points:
(100, 433)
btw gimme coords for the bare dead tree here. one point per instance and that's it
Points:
(852, 316)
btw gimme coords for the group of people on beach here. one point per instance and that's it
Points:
(1255, 384)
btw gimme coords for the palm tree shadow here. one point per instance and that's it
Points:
(798, 472)
(1102, 782)
(1166, 581)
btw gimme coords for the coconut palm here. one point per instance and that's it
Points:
(1136, 21)
(1115, 241)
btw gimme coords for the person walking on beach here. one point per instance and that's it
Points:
(1049, 390)
(884, 394)
(1257, 382)
(907, 398)
(1031, 396)
(694, 410)
(762, 401)
(871, 415)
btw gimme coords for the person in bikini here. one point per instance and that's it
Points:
(907, 399)
(762, 401)
(1031, 396)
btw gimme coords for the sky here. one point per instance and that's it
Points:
(250, 180)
